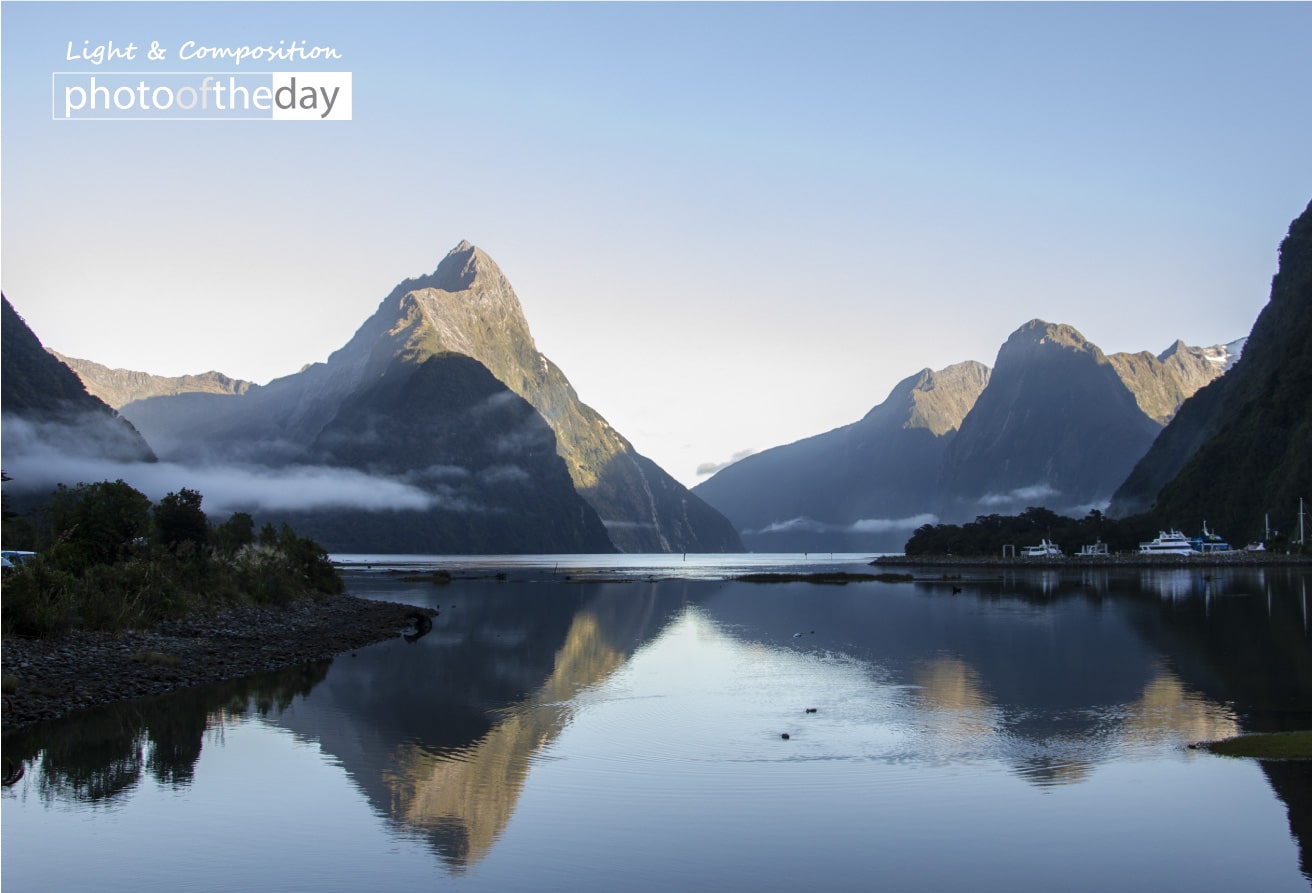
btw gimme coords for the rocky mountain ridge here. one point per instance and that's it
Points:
(119, 387)
(466, 307)
(1055, 423)
(1162, 383)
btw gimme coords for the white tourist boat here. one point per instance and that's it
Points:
(1168, 542)
(1044, 549)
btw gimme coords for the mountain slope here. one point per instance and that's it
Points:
(118, 387)
(1056, 427)
(861, 487)
(466, 307)
(1242, 447)
(49, 414)
(487, 459)
(1160, 384)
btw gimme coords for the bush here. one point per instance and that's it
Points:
(99, 571)
(179, 521)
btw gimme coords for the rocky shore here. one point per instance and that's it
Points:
(49, 678)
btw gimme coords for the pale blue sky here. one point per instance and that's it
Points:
(731, 225)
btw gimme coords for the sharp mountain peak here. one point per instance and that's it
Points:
(1040, 332)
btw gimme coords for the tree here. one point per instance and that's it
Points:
(179, 520)
(235, 533)
(98, 523)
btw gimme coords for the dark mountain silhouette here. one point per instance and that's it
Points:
(48, 413)
(1241, 448)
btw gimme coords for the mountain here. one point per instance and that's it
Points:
(48, 414)
(1242, 446)
(1056, 424)
(1056, 427)
(862, 487)
(118, 387)
(466, 307)
(1160, 384)
(485, 456)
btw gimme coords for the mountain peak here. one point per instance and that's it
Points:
(461, 266)
(939, 401)
(1039, 338)
(1038, 331)
(1178, 347)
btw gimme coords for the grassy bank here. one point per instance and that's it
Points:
(1271, 746)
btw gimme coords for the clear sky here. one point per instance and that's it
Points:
(732, 226)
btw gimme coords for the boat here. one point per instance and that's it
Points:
(1209, 542)
(1168, 542)
(1258, 546)
(1094, 550)
(1044, 549)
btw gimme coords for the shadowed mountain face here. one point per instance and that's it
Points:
(1056, 427)
(1242, 447)
(487, 459)
(861, 487)
(47, 410)
(466, 307)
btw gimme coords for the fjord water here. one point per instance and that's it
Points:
(618, 723)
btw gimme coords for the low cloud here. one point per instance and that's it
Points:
(865, 525)
(1079, 511)
(37, 457)
(628, 525)
(883, 525)
(1031, 495)
(709, 468)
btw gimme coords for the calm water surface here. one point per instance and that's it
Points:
(579, 726)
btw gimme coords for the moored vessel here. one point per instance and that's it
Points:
(1168, 542)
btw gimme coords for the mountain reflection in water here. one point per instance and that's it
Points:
(624, 695)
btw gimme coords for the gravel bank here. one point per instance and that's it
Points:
(49, 678)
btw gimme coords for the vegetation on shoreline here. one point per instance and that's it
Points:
(107, 559)
(1270, 746)
(988, 534)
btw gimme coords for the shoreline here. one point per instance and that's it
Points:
(1235, 558)
(53, 678)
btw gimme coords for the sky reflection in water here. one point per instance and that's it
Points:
(1028, 733)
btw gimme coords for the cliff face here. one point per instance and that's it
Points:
(1242, 447)
(1055, 427)
(861, 487)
